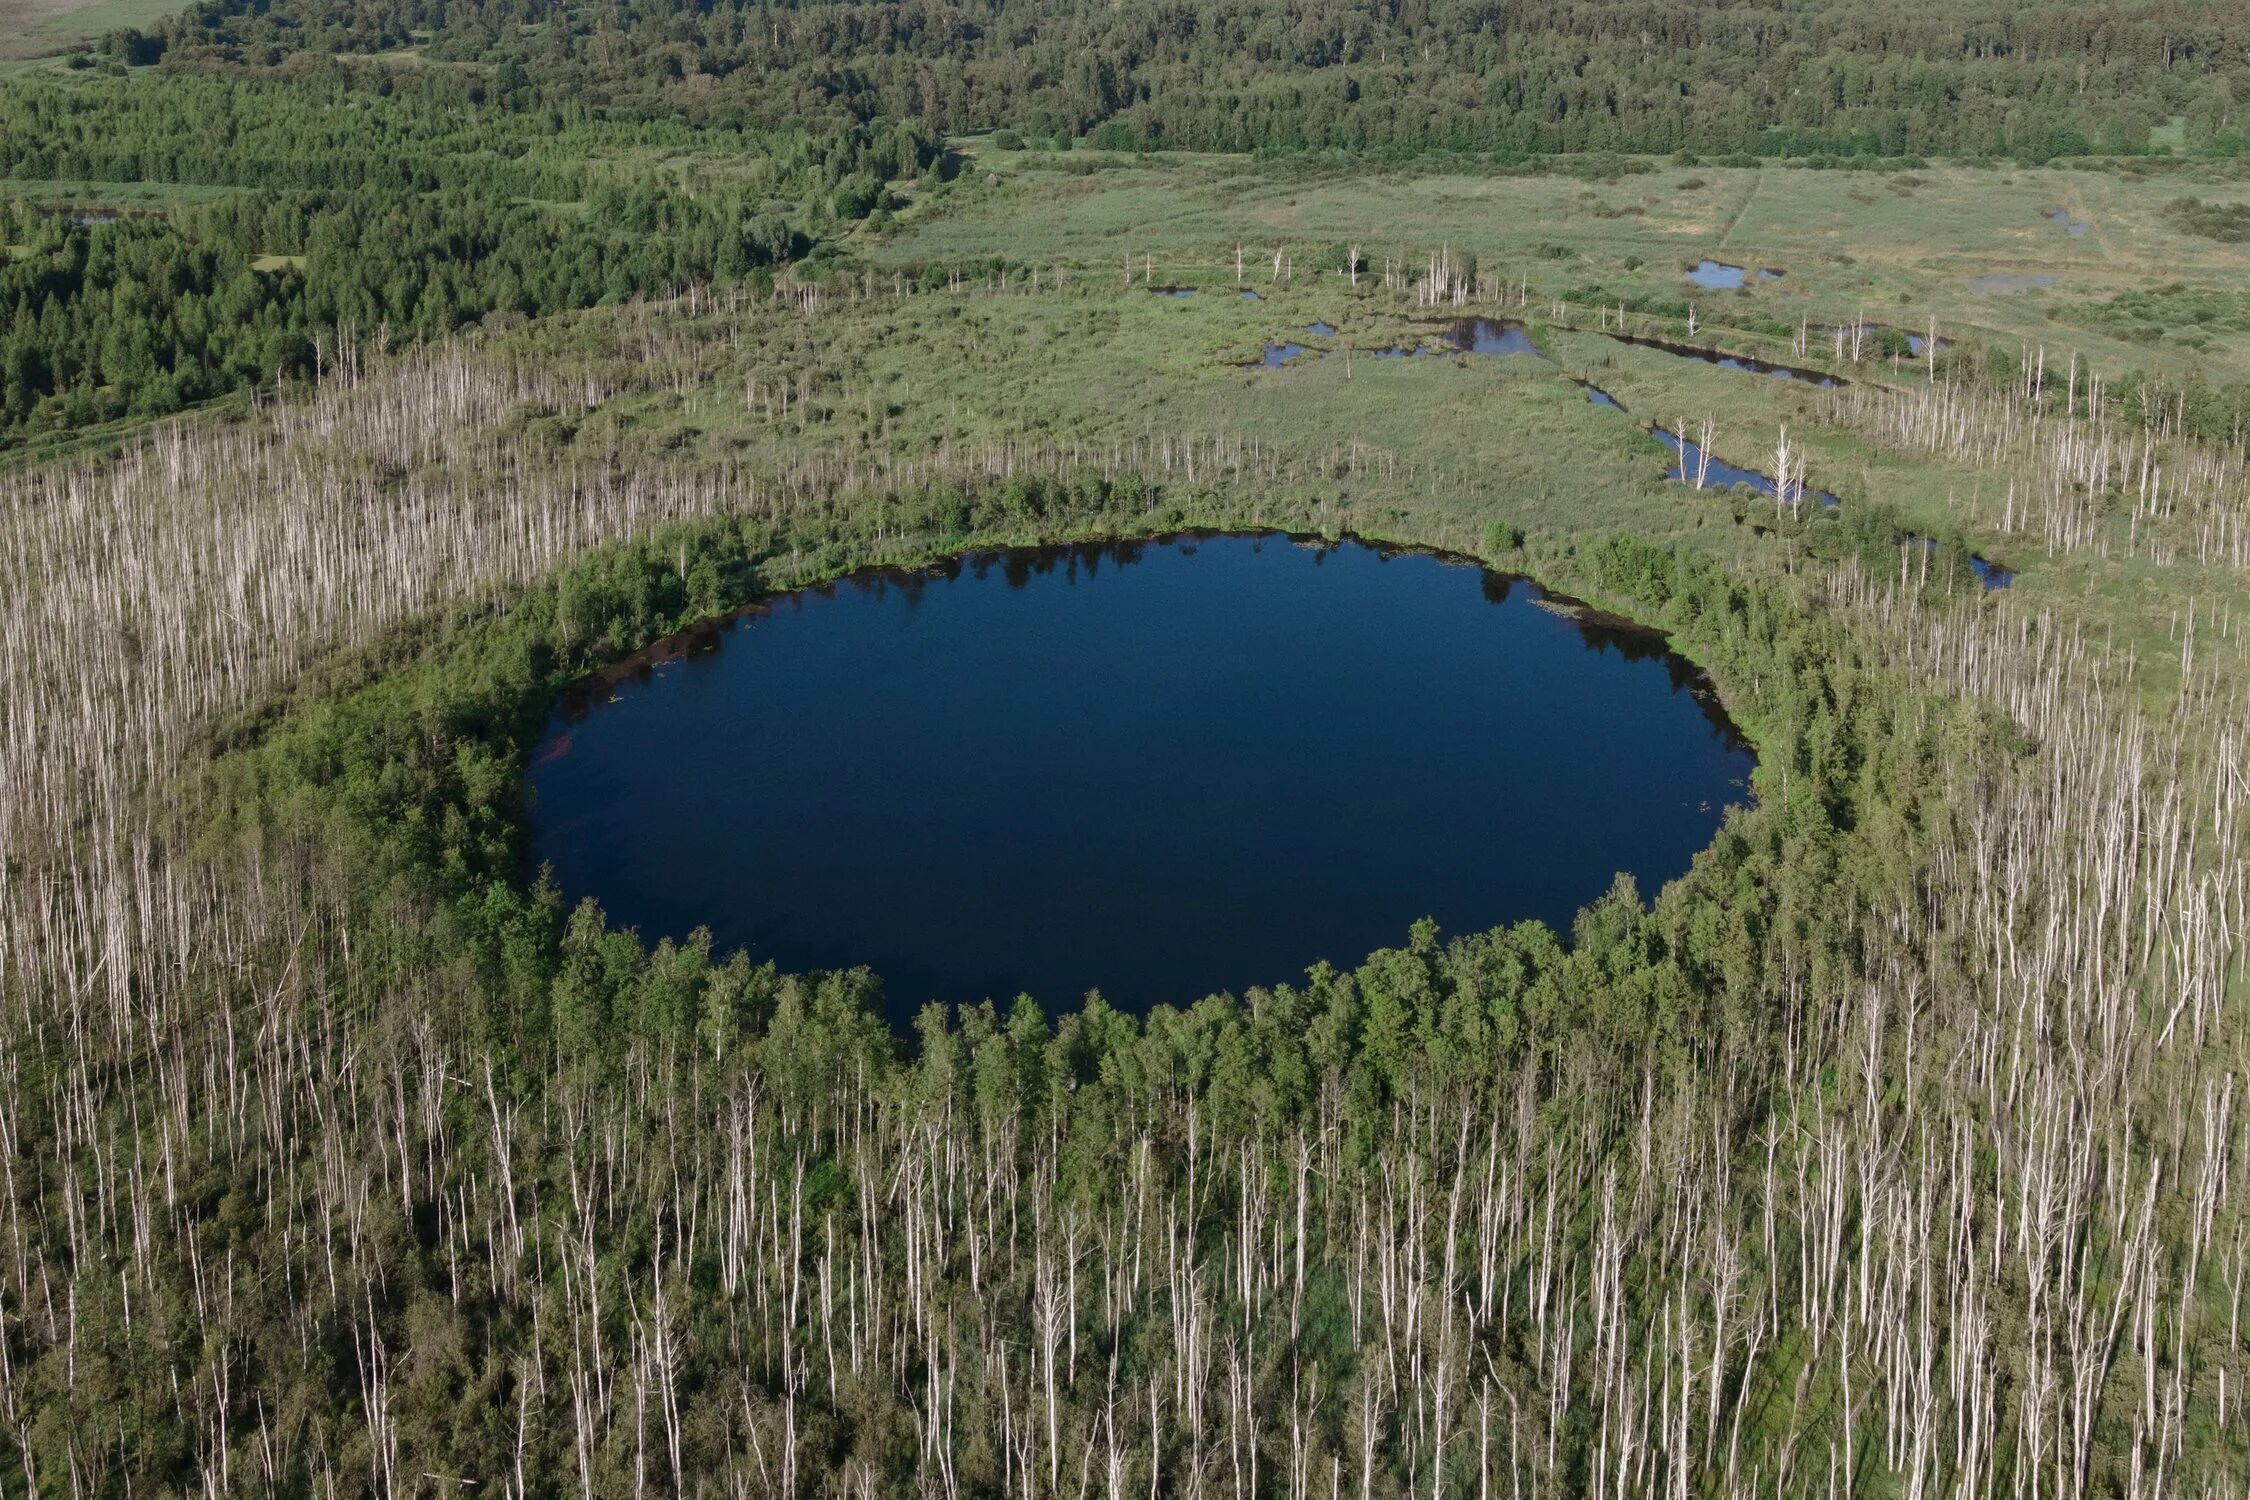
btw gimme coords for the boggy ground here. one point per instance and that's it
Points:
(1894, 247)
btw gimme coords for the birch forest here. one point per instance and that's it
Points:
(1892, 1150)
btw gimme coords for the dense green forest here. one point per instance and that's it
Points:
(1248, 75)
(407, 209)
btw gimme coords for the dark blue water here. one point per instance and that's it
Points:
(1490, 336)
(1720, 474)
(1743, 362)
(1469, 336)
(1162, 769)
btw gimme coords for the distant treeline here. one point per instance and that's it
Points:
(1987, 78)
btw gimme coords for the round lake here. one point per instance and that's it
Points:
(1158, 768)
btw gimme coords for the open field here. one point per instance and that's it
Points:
(1899, 247)
(41, 28)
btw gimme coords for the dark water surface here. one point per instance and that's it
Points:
(1490, 336)
(1719, 474)
(1742, 362)
(1161, 768)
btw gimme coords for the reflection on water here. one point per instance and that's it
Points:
(1717, 473)
(1742, 362)
(1160, 768)
(1490, 336)
(1718, 276)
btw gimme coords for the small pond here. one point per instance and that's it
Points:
(1687, 454)
(1490, 336)
(1718, 474)
(1718, 276)
(1160, 768)
(1989, 574)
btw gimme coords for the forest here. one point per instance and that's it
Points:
(355, 210)
(1246, 75)
(371, 373)
(420, 170)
